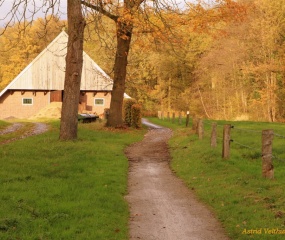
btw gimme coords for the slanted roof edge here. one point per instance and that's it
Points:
(31, 63)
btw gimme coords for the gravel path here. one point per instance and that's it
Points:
(161, 206)
(38, 128)
(12, 128)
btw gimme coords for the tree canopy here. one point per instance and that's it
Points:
(223, 61)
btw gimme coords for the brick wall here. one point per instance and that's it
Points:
(11, 103)
(90, 102)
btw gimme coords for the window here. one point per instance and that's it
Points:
(99, 102)
(27, 101)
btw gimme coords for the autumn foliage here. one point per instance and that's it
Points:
(21, 44)
(223, 60)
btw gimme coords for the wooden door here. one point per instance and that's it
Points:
(56, 96)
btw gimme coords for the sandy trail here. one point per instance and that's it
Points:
(161, 206)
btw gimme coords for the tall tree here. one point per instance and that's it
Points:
(268, 55)
(127, 15)
(24, 11)
(74, 63)
(123, 17)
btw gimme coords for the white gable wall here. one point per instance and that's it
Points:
(47, 71)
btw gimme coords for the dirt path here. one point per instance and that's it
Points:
(12, 128)
(161, 206)
(37, 128)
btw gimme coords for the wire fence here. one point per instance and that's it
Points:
(241, 138)
(246, 131)
(274, 155)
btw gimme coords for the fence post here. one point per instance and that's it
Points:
(200, 128)
(159, 114)
(187, 119)
(180, 118)
(267, 166)
(226, 141)
(195, 124)
(173, 117)
(168, 116)
(214, 135)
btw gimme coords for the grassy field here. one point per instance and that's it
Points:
(65, 190)
(3, 124)
(249, 206)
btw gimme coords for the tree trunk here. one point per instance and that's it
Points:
(169, 95)
(201, 98)
(273, 95)
(124, 34)
(74, 62)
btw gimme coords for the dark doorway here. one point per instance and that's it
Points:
(56, 96)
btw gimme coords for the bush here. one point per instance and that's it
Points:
(136, 115)
(127, 111)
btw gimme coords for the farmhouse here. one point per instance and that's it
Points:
(41, 84)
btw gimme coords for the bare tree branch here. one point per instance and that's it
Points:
(100, 9)
(24, 12)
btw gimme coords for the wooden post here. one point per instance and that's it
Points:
(180, 118)
(195, 124)
(159, 113)
(214, 135)
(173, 117)
(200, 128)
(226, 141)
(168, 116)
(187, 119)
(267, 166)
(162, 115)
(106, 113)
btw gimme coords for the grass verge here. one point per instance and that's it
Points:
(66, 190)
(249, 206)
(3, 124)
(13, 135)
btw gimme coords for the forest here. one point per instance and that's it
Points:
(218, 61)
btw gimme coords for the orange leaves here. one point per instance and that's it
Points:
(214, 18)
(125, 26)
(233, 11)
(124, 37)
(126, 17)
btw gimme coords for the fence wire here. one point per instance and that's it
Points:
(277, 158)
(251, 131)
(279, 136)
(207, 133)
(245, 146)
(247, 130)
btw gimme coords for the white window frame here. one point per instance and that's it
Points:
(27, 104)
(99, 104)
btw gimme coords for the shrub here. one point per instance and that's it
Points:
(127, 111)
(136, 115)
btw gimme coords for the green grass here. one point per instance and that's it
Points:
(234, 189)
(26, 126)
(3, 124)
(66, 190)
